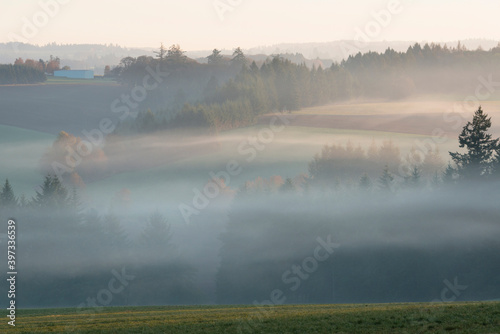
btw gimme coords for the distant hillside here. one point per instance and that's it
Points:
(97, 56)
(338, 50)
(77, 56)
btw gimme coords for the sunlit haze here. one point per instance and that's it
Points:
(206, 24)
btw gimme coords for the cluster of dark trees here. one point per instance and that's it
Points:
(343, 166)
(232, 92)
(28, 71)
(185, 81)
(427, 69)
(383, 168)
(229, 93)
(348, 167)
(278, 85)
(481, 161)
(20, 74)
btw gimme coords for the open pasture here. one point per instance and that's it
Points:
(462, 317)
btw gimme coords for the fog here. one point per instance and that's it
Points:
(242, 243)
(231, 180)
(388, 248)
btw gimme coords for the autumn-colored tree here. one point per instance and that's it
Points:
(53, 65)
(31, 63)
(73, 158)
(107, 71)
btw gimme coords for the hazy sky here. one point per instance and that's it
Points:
(196, 24)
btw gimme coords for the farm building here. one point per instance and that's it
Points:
(75, 74)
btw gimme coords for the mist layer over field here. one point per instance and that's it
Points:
(247, 214)
(325, 246)
(253, 182)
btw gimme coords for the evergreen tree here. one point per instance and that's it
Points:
(157, 233)
(52, 195)
(477, 161)
(23, 202)
(449, 174)
(7, 197)
(75, 204)
(254, 68)
(365, 183)
(385, 180)
(113, 232)
(495, 171)
(161, 53)
(239, 57)
(413, 180)
(288, 186)
(436, 180)
(215, 57)
(175, 55)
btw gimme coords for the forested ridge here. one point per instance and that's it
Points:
(232, 92)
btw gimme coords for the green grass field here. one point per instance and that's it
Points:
(470, 317)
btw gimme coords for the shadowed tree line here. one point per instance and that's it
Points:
(28, 71)
(20, 74)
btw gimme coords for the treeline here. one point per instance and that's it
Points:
(66, 251)
(20, 74)
(28, 71)
(349, 167)
(224, 100)
(172, 80)
(47, 66)
(277, 86)
(228, 92)
(427, 69)
(52, 194)
(319, 239)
